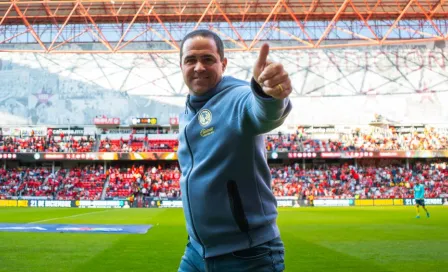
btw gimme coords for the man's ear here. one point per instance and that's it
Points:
(224, 64)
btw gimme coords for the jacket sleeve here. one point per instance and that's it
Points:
(264, 113)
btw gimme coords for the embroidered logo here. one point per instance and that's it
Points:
(207, 131)
(204, 117)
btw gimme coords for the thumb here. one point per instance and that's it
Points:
(263, 56)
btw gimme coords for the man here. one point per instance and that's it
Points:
(419, 195)
(228, 203)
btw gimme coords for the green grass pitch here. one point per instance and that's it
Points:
(316, 239)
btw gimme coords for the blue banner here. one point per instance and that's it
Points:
(75, 228)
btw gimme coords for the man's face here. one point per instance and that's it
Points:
(202, 68)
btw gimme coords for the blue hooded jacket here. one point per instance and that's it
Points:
(226, 182)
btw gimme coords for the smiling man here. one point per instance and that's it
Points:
(228, 203)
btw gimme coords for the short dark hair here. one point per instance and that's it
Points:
(206, 34)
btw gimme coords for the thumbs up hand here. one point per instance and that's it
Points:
(271, 76)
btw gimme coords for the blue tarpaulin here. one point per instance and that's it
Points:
(75, 228)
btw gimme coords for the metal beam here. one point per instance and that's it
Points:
(130, 25)
(330, 25)
(30, 28)
(410, 30)
(203, 15)
(63, 26)
(341, 45)
(101, 37)
(6, 14)
(168, 16)
(166, 30)
(310, 45)
(293, 16)
(364, 20)
(396, 21)
(133, 39)
(234, 16)
(355, 34)
(230, 24)
(435, 8)
(274, 9)
(243, 46)
(68, 40)
(429, 19)
(51, 15)
(14, 36)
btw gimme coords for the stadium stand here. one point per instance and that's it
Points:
(146, 180)
(47, 144)
(328, 181)
(348, 181)
(82, 183)
(48, 110)
(428, 139)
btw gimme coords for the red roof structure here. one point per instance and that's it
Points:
(131, 26)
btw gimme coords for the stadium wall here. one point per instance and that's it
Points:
(404, 83)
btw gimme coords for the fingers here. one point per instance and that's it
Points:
(276, 79)
(262, 56)
(270, 71)
(279, 91)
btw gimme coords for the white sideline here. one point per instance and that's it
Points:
(76, 215)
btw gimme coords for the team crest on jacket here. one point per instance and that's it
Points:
(204, 117)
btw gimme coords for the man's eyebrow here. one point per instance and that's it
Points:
(208, 55)
(199, 55)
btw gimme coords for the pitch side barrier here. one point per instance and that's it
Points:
(376, 202)
(147, 202)
(160, 202)
(156, 202)
(40, 203)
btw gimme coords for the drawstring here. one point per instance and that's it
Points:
(186, 104)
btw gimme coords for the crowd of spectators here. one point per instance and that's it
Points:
(84, 183)
(162, 181)
(14, 144)
(349, 181)
(64, 184)
(300, 141)
(329, 181)
(138, 144)
(124, 144)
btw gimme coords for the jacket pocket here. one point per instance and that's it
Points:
(253, 253)
(236, 205)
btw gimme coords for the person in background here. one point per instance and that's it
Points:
(419, 196)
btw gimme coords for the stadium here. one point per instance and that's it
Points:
(91, 106)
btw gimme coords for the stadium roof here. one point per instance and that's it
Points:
(158, 26)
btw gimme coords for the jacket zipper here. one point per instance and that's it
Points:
(187, 185)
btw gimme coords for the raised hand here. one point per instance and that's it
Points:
(271, 76)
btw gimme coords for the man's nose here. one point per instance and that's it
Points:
(199, 67)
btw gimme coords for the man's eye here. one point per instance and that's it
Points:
(189, 61)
